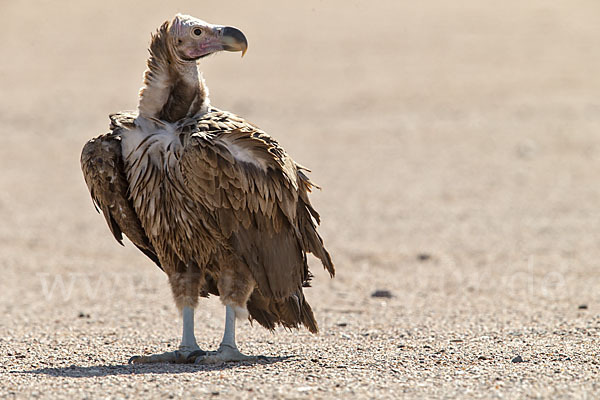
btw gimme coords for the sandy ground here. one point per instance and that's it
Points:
(458, 145)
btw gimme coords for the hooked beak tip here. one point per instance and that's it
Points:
(234, 40)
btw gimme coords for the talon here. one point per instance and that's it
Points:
(179, 357)
(194, 355)
(132, 360)
(199, 360)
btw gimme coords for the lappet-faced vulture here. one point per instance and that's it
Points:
(214, 201)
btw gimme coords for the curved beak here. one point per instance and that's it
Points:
(232, 39)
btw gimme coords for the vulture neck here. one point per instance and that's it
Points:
(173, 88)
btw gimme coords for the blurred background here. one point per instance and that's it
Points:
(457, 144)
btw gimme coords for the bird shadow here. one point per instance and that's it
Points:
(140, 369)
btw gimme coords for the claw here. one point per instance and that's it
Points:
(132, 360)
(191, 358)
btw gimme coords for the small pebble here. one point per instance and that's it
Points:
(583, 307)
(382, 293)
(518, 359)
(423, 256)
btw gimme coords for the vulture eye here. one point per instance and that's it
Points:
(196, 32)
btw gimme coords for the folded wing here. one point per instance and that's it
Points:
(103, 170)
(259, 197)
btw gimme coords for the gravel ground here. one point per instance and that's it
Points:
(458, 145)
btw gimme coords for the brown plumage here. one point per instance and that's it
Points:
(210, 198)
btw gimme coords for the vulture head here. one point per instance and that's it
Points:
(191, 38)
(173, 86)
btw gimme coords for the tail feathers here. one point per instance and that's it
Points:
(308, 318)
(289, 312)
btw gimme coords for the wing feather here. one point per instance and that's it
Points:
(250, 183)
(103, 171)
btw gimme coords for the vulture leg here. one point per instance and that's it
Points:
(188, 349)
(235, 286)
(228, 351)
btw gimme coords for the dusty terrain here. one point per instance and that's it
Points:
(458, 145)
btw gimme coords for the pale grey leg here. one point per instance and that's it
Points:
(228, 350)
(188, 349)
(229, 334)
(188, 339)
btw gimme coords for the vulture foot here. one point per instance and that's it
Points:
(226, 354)
(177, 356)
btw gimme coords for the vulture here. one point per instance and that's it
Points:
(210, 198)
